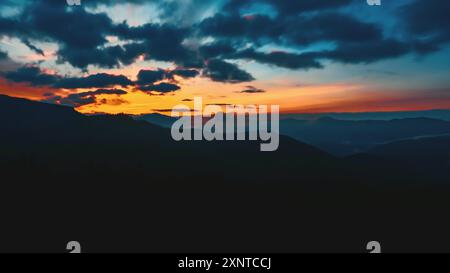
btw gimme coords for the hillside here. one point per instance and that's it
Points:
(117, 184)
(347, 137)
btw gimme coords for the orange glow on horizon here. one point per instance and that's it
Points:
(339, 97)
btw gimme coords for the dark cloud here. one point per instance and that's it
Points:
(149, 77)
(78, 33)
(36, 77)
(74, 100)
(252, 90)
(162, 42)
(289, 7)
(222, 71)
(184, 73)
(108, 57)
(281, 59)
(82, 36)
(168, 110)
(367, 53)
(32, 75)
(94, 81)
(3, 55)
(216, 49)
(429, 22)
(9, 26)
(296, 26)
(85, 98)
(160, 88)
(248, 27)
(104, 92)
(348, 34)
(114, 101)
(33, 47)
(73, 28)
(329, 27)
(298, 31)
(145, 77)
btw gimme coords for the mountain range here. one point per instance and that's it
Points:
(117, 184)
(342, 137)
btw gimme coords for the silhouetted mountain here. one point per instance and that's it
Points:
(120, 185)
(46, 128)
(345, 137)
(427, 151)
(157, 119)
(432, 114)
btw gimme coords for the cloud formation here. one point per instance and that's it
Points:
(82, 37)
(293, 35)
(32, 75)
(252, 90)
(85, 98)
(222, 71)
(100, 80)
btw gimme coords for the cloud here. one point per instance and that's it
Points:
(114, 102)
(252, 90)
(428, 22)
(298, 30)
(74, 100)
(150, 76)
(9, 26)
(238, 31)
(184, 73)
(73, 28)
(107, 57)
(104, 92)
(349, 35)
(216, 49)
(221, 71)
(100, 80)
(33, 47)
(289, 7)
(82, 37)
(3, 55)
(146, 77)
(281, 59)
(367, 53)
(329, 27)
(85, 98)
(32, 75)
(234, 25)
(161, 42)
(161, 88)
(181, 110)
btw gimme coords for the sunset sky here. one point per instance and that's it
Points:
(141, 56)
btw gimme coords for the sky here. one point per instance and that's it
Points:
(308, 56)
